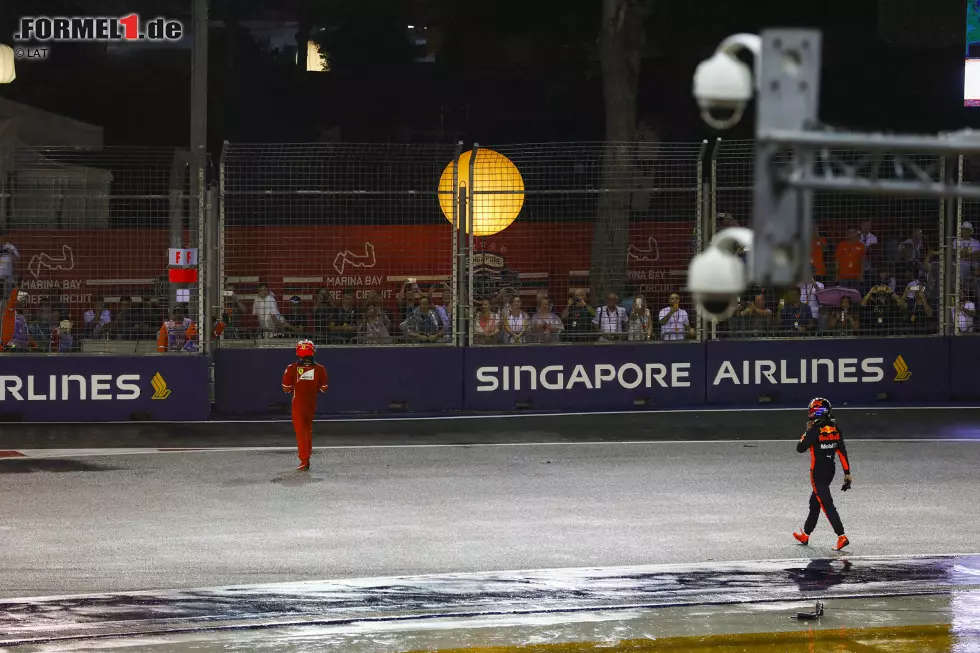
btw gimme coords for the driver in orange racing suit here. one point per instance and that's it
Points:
(304, 380)
(825, 442)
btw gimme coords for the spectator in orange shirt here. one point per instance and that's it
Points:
(850, 260)
(817, 248)
(178, 333)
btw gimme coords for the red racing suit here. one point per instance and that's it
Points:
(304, 380)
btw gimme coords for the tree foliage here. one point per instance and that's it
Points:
(363, 36)
(622, 40)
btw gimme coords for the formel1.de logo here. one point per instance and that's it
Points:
(35, 31)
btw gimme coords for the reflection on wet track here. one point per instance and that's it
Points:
(548, 606)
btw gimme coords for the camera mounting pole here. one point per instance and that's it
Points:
(788, 66)
(794, 157)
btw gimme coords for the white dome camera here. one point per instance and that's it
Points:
(723, 84)
(717, 276)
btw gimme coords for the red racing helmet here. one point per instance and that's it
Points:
(305, 349)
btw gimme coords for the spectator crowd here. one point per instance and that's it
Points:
(48, 326)
(862, 285)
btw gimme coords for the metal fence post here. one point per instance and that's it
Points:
(714, 186)
(180, 186)
(699, 230)
(462, 202)
(208, 279)
(956, 220)
(469, 216)
(712, 219)
(220, 240)
(457, 255)
(470, 268)
(459, 201)
(944, 203)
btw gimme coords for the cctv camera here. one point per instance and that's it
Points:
(717, 276)
(723, 88)
(723, 84)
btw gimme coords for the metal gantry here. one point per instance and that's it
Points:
(796, 155)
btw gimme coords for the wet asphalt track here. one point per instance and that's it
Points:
(179, 520)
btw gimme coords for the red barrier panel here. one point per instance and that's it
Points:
(80, 266)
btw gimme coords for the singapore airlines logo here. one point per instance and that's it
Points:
(347, 258)
(902, 372)
(46, 261)
(160, 389)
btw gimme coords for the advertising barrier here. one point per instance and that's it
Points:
(361, 380)
(892, 370)
(964, 368)
(610, 377)
(103, 388)
(398, 380)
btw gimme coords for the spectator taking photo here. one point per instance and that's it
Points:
(881, 308)
(375, 328)
(640, 320)
(577, 316)
(796, 318)
(674, 320)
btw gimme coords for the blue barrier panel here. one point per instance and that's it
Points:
(964, 372)
(80, 388)
(362, 379)
(909, 370)
(570, 378)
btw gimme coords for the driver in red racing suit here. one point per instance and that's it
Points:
(825, 442)
(304, 380)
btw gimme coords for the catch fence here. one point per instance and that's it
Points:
(495, 245)
(876, 262)
(446, 245)
(85, 235)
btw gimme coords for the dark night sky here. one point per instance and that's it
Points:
(506, 72)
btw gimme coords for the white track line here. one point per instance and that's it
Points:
(110, 451)
(436, 418)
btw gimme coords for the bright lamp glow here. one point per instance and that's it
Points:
(499, 191)
(7, 73)
(314, 62)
